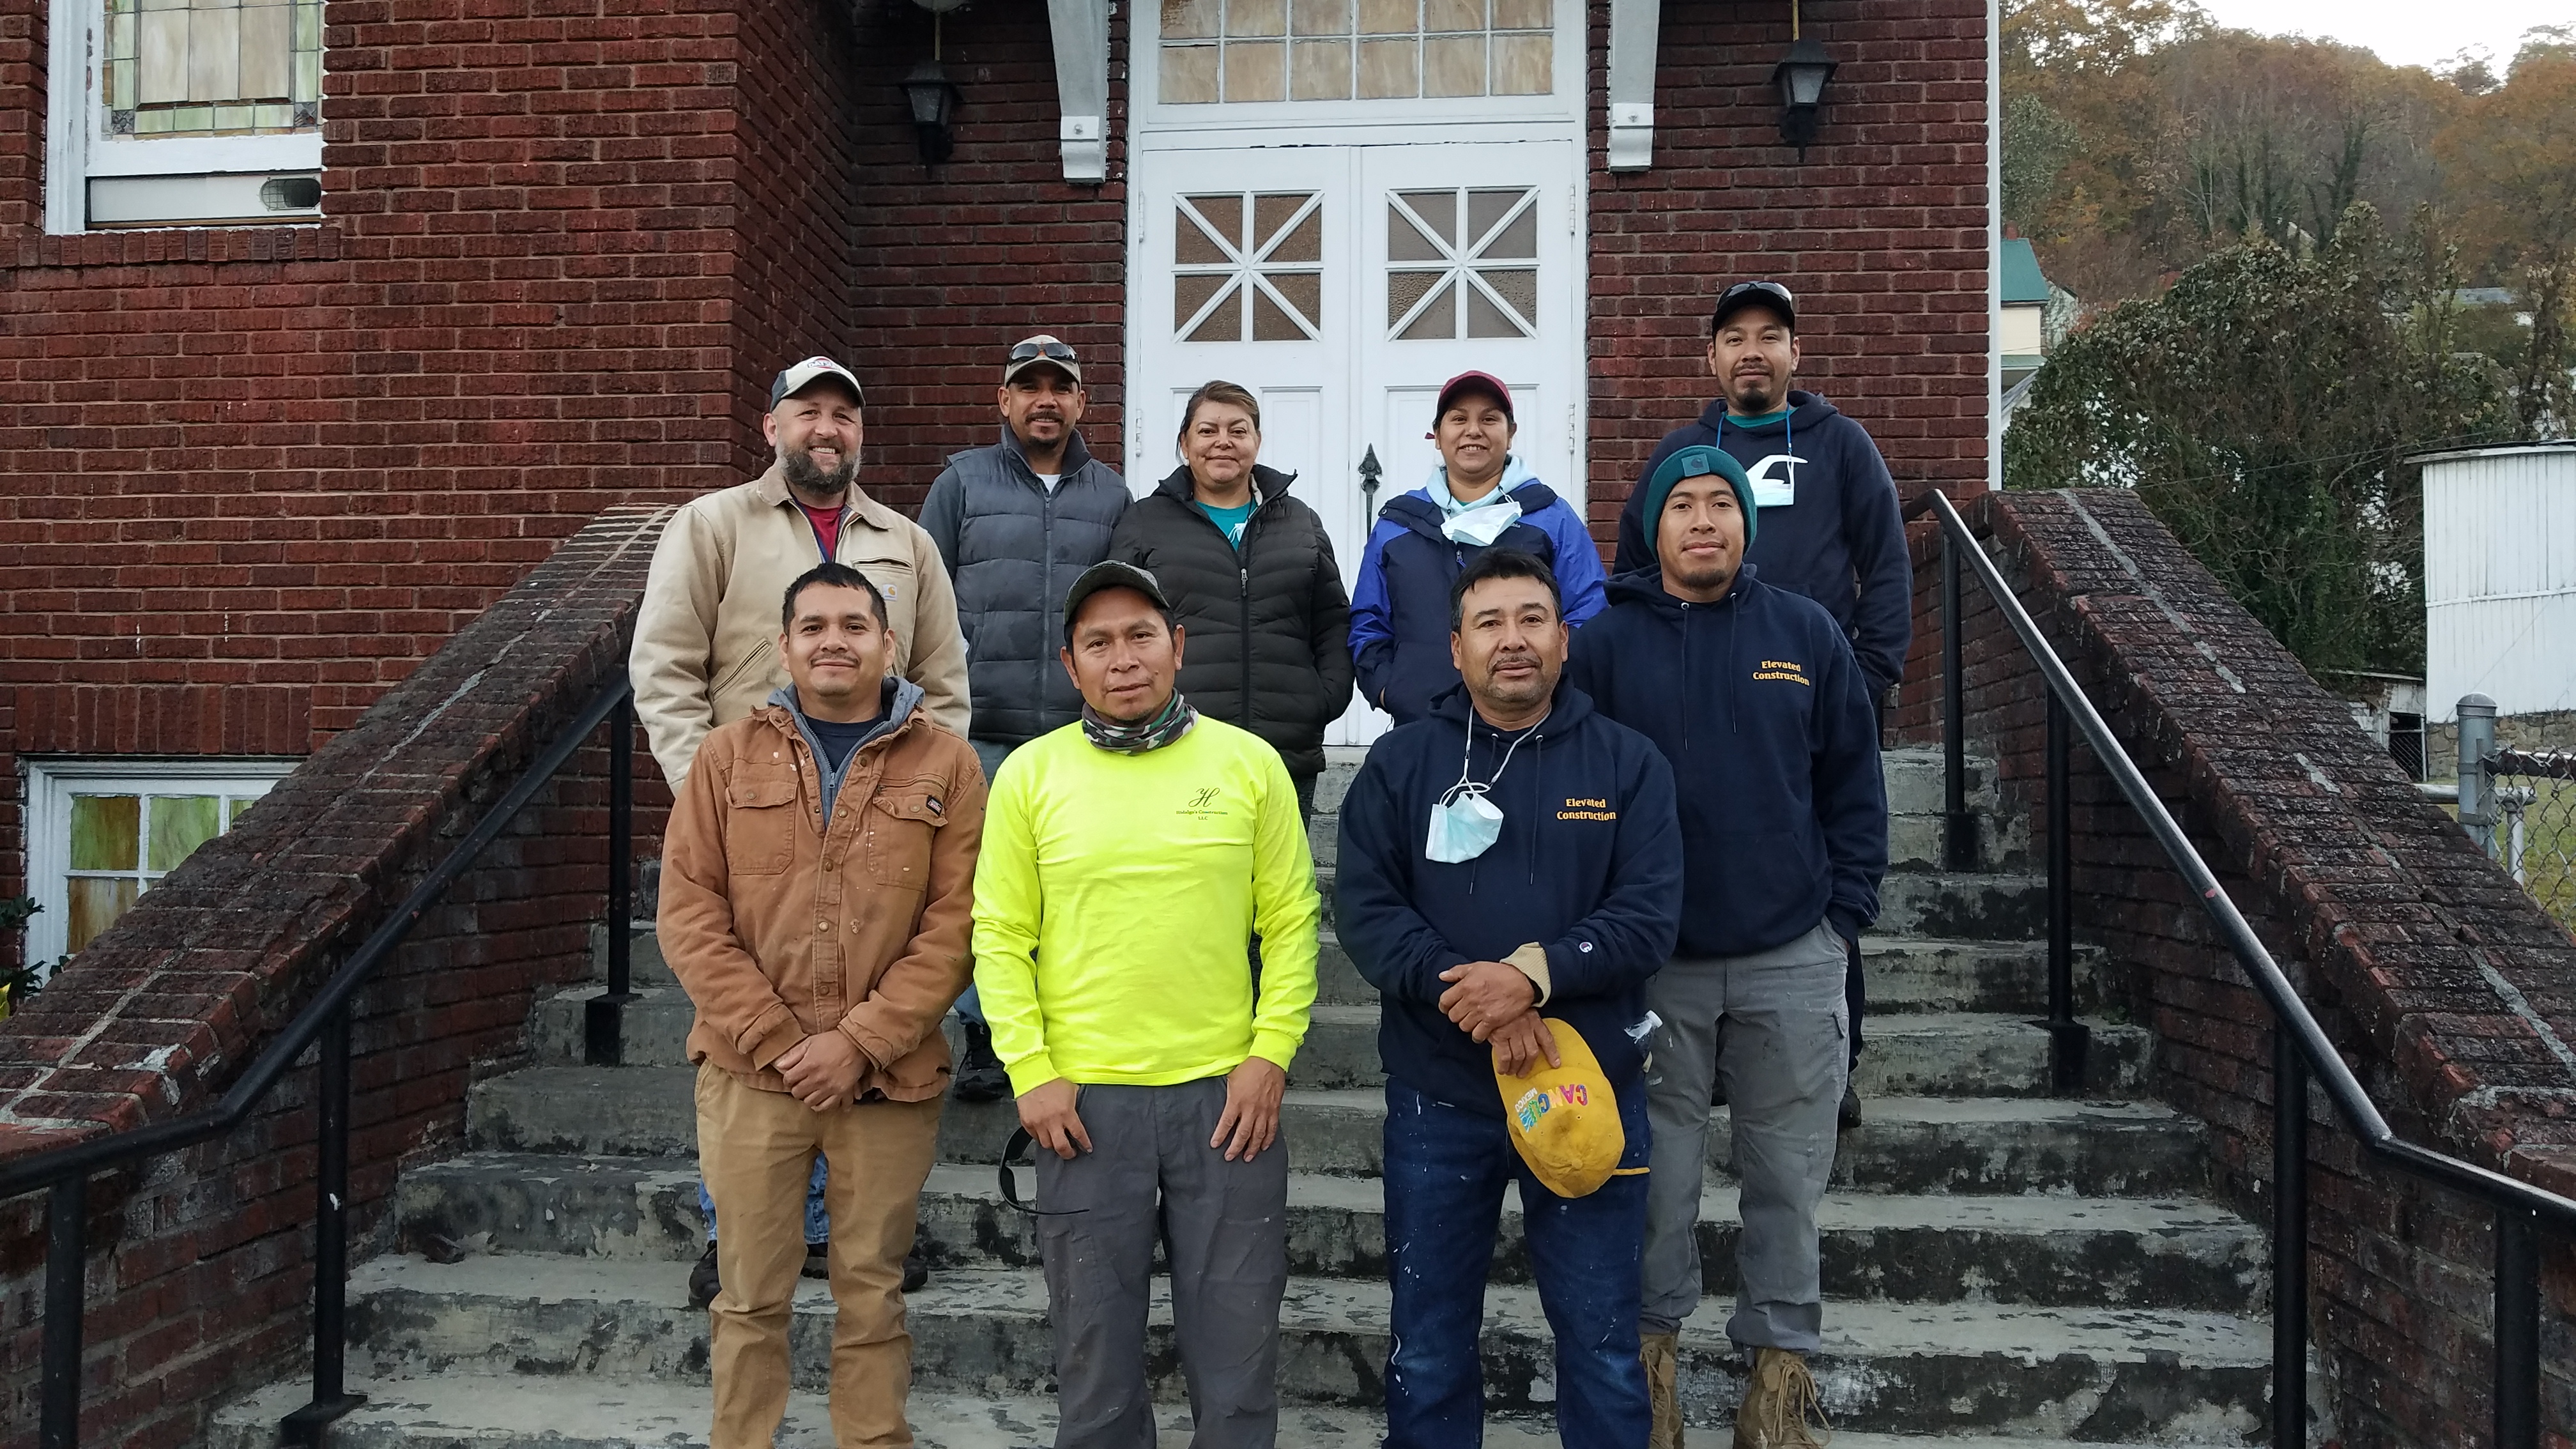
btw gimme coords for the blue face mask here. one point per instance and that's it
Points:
(1464, 824)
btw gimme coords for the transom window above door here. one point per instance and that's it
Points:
(1248, 267)
(1462, 262)
(1239, 51)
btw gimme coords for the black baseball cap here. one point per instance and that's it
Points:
(1111, 574)
(1769, 295)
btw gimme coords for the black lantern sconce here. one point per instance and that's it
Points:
(1801, 77)
(934, 100)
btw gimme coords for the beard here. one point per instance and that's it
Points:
(803, 476)
(1755, 394)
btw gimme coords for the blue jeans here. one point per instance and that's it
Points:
(818, 1226)
(1445, 1170)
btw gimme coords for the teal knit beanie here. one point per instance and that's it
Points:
(1696, 461)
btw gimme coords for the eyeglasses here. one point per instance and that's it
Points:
(1053, 351)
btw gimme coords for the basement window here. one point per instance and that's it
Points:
(186, 113)
(101, 832)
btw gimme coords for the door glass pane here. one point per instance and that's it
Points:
(1524, 65)
(1484, 319)
(1271, 323)
(1437, 211)
(94, 905)
(1440, 319)
(1256, 70)
(1486, 209)
(1320, 70)
(107, 832)
(1225, 324)
(180, 823)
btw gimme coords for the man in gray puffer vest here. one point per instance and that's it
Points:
(1017, 523)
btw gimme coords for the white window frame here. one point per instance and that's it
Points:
(78, 148)
(50, 784)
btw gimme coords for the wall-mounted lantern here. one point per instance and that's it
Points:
(934, 100)
(1801, 77)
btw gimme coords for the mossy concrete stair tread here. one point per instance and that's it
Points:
(1842, 1210)
(495, 1412)
(1904, 1366)
(1977, 1054)
(2100, 1148)
(2170, 1253)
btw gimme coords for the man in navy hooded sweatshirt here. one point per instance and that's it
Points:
(1753, 695)
(1832, 528)
(1565, 906)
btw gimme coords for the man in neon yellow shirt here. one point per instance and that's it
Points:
(1128, 860)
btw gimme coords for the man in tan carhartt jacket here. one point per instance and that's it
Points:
(817, 889)
(705, 636)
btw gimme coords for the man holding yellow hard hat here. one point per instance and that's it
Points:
(1510, 876)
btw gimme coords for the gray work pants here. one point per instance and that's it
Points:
(1150, 1175)
(1771, 1027)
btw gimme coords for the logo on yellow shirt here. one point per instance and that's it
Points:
(1202, 802)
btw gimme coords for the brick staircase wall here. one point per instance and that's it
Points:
(200, 1278)
(2452, 996)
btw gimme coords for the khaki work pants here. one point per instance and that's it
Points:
(756, 1153)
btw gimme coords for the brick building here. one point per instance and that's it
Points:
(326, 320)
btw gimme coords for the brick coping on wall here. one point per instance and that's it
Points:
(155, 1017)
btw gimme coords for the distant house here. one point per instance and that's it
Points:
(2025, 336)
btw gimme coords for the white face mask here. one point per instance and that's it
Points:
(1464, 824)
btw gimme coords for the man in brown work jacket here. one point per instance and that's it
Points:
(817, 890)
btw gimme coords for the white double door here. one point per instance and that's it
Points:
(1342, 284)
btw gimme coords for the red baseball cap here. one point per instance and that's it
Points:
(1471, 382)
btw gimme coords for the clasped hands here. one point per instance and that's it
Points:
(822, 1071)
(1493, 1002)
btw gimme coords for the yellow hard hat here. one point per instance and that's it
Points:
(1565, 1119)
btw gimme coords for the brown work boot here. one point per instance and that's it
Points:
(1777, 1404)
(1662, 1355)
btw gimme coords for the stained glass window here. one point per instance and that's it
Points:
(1337, 50)
(212, 67)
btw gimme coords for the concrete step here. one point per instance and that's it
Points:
(1904, 1144)
(487, 1411)
(1906, 973)
(2138, 1253)
(1933, 904)
(1902, 1367)
(1920, 1054)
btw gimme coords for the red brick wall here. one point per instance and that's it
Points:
(248, 478)
(961, 262)
(199, 1279)
(2381, 910)
(1880, 230)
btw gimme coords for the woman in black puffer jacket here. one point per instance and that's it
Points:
(1251, 574)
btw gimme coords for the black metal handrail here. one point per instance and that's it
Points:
(2300, 1049)
(67, 1170)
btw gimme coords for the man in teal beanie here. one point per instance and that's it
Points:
(1752, 694)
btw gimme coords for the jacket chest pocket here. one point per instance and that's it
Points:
(760, 823)
(902, 822)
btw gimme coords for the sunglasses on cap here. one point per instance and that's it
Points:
(1052, 351)
(1744, 289)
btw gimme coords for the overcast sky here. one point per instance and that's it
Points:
(2409, 33)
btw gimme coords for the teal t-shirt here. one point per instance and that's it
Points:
(1228, 521)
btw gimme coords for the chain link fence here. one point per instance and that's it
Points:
(2520, 805)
